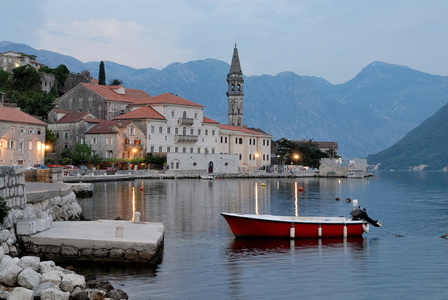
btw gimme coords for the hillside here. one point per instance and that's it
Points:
(426, 144)
(364, 115)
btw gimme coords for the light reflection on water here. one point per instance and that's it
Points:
(203, 260)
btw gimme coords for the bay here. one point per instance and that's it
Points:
(202, 260)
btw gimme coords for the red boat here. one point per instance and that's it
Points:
(249, 225)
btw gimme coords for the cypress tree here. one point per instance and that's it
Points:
(102, 74)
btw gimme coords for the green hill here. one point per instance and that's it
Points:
(426, 144)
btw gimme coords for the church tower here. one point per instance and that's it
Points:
(235, 91)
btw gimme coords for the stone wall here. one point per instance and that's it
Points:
(43, 175)
(31, 212)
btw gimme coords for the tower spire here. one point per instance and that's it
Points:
(235, 91)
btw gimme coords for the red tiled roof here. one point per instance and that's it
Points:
(107, 127)
(208, 120)
(169, 98)
(144, 112)
(92, 120)
(130, 95)
(72, 117)
(239, 129)
(15, 115)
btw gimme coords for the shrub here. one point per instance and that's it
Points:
(4, 210)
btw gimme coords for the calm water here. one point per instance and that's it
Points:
(202, 260)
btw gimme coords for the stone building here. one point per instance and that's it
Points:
(22, 138)
(69, 128)
(11, 60)
(116, 139)
(105, 102)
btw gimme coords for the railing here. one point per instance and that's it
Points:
(185, 138)
(186, 121)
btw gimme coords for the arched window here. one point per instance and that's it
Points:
(241, 141)
(233, 88)
(184, 115)
(184, 131)
(238, 88)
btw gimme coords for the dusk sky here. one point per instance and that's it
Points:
(324, 38)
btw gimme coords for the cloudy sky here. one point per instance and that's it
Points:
(332, 39)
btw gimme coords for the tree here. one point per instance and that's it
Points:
(102, 74)
(81, 153)
(115, 82)
(26, 78)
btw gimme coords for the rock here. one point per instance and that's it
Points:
(102, 285)
(30, 262)
(29, 278)
(53, 277)
(95, 294)
(79, 295)
(46, 266)
(54, 294)
(9, 271)
(66, 285)
(21, 293)
(117, 295)
(43, 286)
(76, 280)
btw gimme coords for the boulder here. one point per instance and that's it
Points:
(76, 280)
(43, 286)
(117, 295)
(29, 278)
(30, 262)
(9, 271)
(54, 294)
(46, 266)
(53, 277)
(21, 293)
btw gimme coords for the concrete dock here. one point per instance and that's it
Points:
(108, 241)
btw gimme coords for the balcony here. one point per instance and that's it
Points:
(179, 138)
(186, 121)
(130, 147)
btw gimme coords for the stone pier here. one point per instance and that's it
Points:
(111, 241)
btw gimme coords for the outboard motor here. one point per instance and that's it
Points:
(359, 213)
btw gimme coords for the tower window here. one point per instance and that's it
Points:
(233, 88)
(239, 88)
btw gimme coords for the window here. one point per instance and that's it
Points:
(191, 131)
(172, 114)
(56, 134)
(213, 150)
(137, 142)
(236, 140)
(199, 150)
(241, 141)
(93, 141)
(168, 130)
(184, 114)
(160, 149)
(267, 143)
(213, 132)
(132, 130)
(184, 150)
(109, 154)
(199, 132)
(152, 129)
(22, 130)
(109, 141)
(176, 149)
(65, 134)
(21, 148)
(191, 150)
(152, 149)
(206, 132)
(177, 165)
(221, 140)
(39, 132)
(250, 156)
(13, 129)
(184, 131)
(168, 149)
(160, 129)
(32, 131)
(195, 115)
(176, 130)
(65, 146)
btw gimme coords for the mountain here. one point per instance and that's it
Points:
(364, 115)
(426, 144)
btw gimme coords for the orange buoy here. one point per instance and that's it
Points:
(300, 188)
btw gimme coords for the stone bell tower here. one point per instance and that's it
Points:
(235, 91)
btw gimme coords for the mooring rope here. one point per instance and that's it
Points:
(396, 235)
(196, 232)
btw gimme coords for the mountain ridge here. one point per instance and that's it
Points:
(366, 114)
